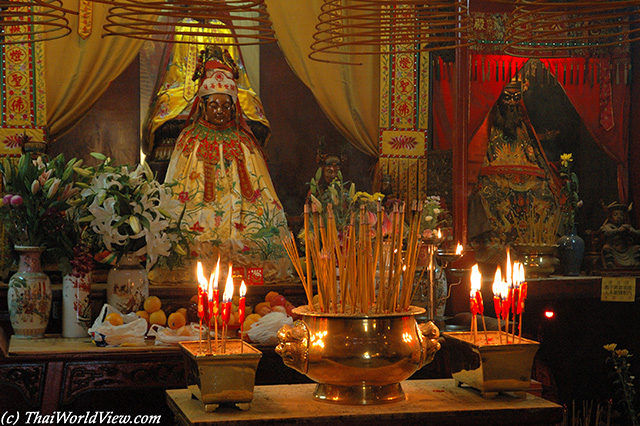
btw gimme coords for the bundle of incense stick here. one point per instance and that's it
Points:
(346, 268)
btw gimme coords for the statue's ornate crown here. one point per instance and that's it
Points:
(213, 53)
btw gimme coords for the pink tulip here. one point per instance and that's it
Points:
(16, 201)
(6, 200)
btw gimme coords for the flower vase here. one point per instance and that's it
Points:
(127, 284)
(571, 253)
(76, 306)
(29, 295)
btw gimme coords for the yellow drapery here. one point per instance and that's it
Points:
(348, 94)
(79, 71)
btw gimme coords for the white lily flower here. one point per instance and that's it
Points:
(134, 222)
(54, 187)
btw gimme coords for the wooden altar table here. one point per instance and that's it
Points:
(429, 402)
(52, 372)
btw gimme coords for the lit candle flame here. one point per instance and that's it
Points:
(216, 275)
(243, 289)
(476, 280)
(439, 234)
(497, 283)
(520, 273)
(202, 281)
(504, 290)
(459, 248)
(228, 288)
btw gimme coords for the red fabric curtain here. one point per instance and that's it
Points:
(602, 101)
(442, 102)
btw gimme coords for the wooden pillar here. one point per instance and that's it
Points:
(460, 139)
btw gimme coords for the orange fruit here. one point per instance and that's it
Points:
(194, 298)
(261, 305)
(152, 304)
(270, 296)
(143, 314)
(183, 312)
(158, 317)
(249, 320)
(176, 320)
(233, 320)
(114, 318)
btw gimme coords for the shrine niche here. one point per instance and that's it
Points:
(575, 104)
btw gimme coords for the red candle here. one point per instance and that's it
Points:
(523, 290)
(216, 294)
(497, 279)
(479, 302)
(475, 297)
(505, 296)
(226, 298)
(242, 303)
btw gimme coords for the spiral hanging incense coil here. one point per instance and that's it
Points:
(366, 27)
(248, 20)
(543, 28)
(29, 21)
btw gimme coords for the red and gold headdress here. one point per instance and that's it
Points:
(217, 72)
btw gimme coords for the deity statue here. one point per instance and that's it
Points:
(514, 200)
(329, 173)
(222, 176)
(621, 247)
(175, 90)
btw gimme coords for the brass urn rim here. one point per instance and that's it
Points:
(305, 311)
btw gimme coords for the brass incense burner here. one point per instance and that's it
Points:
(358, 358)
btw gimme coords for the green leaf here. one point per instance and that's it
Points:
(144, 221)
(99, 156)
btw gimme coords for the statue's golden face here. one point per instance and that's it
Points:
(617, 217)
(511, 96)
(331, 168)
(218, 109)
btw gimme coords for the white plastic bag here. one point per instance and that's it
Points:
(131, 332)
(168, 336)
(265, 331)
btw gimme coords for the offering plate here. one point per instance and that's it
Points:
(221, 378)
(358, 358)
(491, 368)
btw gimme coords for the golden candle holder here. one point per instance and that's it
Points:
(219, 378)
(358, 359)
(491, 367)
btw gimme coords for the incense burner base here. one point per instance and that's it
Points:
(358, 359)
(359, 395)
(491, 367)
(221, 379)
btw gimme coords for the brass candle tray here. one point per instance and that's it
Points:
(491, 367)
(221, 378)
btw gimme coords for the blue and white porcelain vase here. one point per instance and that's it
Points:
(571, 253)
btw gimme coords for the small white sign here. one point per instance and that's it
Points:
(618, 289)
